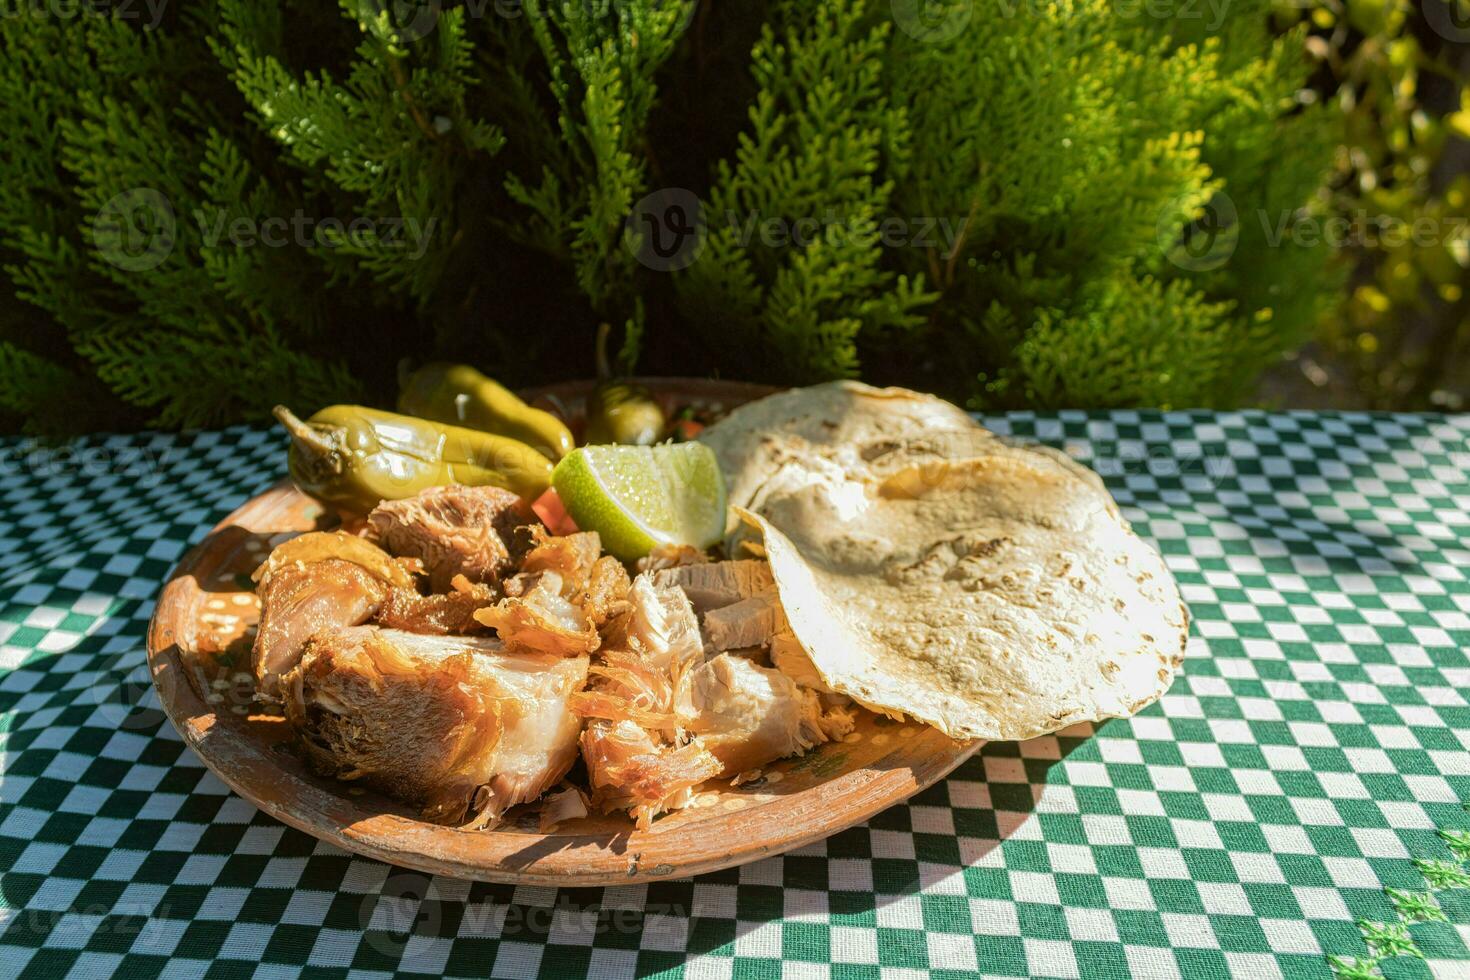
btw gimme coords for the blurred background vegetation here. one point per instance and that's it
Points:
(1398, 72)
(1119, 174)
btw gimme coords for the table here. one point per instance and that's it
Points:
(1293, 807)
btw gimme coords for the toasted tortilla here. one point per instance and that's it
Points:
(997, 594)
(844, 423)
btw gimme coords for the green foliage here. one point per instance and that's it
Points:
(1389, 72)
(1079, 150)
(792, 268)
(600, 61)
(1010, 203)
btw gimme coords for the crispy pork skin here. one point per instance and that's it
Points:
(299, 599)
(440, 614)
(458, 726)
(570, 556)
(542, 620)
(454, 530)
(561, 598)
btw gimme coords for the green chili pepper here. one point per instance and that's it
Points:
(356, 457)
(620, 411)
(457, 394)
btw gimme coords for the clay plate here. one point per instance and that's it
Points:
(198, 653)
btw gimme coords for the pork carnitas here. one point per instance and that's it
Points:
(459, 726)
(459, 656)
(313, 582)
(467, 531)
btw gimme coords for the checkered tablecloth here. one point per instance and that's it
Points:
(1293, 807)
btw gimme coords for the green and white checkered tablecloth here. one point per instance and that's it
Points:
(1293, 807)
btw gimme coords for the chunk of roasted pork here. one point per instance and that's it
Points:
(789, 658)
(663, 715)
(632, 745)
(439, 613)
(299, 601)
(315, 581)
(747, 715)
(459, 726)
(454, 530)
(752, 622)
(713, 585)
(561, 598)
(736, 600)
(632, 770)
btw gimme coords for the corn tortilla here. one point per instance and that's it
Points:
(995, 594)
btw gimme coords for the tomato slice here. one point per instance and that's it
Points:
(549, 508)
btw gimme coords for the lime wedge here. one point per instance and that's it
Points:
(636, 497)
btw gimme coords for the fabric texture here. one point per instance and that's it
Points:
(1292, 807)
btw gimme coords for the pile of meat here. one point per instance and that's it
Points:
(460, 657)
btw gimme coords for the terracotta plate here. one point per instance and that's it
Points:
(198, 652)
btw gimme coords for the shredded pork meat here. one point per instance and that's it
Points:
(632, 744)
(660, 681)
(439, 613)
(561, 597)
(665, 713)
(454, 530)
(748, 716)
(630, 770)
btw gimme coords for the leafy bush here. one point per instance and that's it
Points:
(1011, 203)
(1389, 68)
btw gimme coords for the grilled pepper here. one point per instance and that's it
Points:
(457, 394)
(356, 457)
(620, 411)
